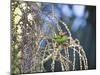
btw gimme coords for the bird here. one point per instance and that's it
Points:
(61, 38)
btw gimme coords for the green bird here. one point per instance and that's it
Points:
(61, 38)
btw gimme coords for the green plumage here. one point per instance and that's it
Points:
(60, 39)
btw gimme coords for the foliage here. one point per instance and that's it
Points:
(32, 47)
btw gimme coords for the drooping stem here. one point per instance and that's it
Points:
(74, 58)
